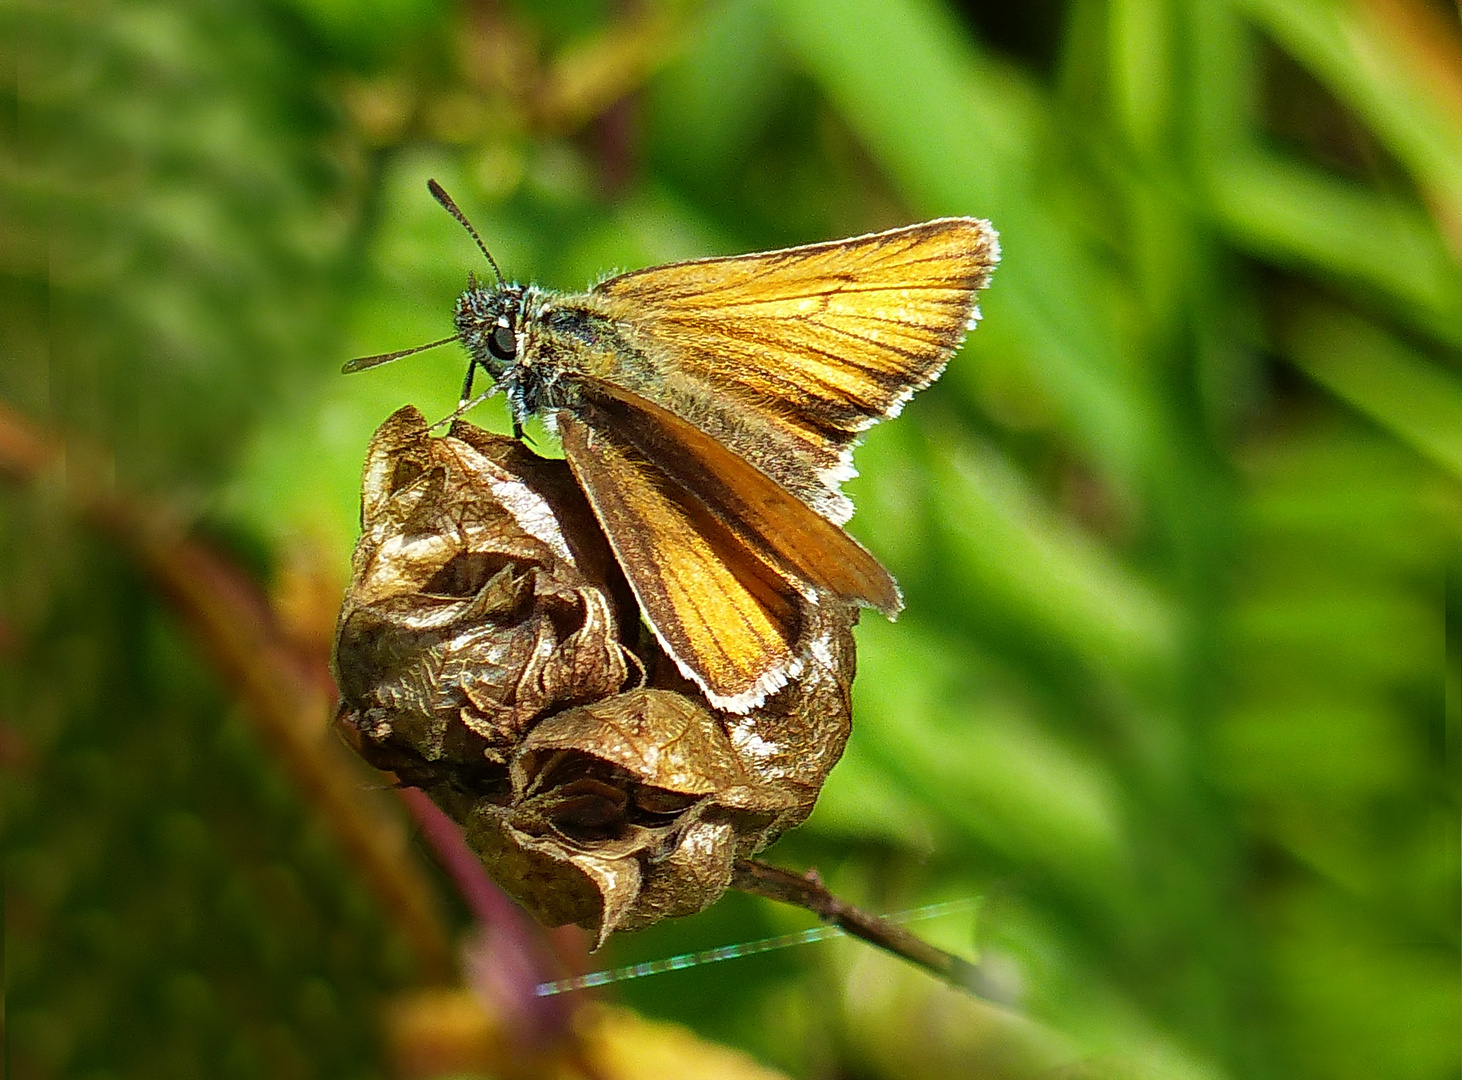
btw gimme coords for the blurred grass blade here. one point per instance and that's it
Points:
(1141, 44)
(1369, 56)
(1415, 399)
(1005, 779)
(1013, 554)
(1297, 215)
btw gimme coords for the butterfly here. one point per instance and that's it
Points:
(709, 410)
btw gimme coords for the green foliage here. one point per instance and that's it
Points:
(1178, 687)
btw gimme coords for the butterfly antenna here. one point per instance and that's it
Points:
(441, 196)
(360, 363)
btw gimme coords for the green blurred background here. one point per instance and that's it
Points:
(1178, 687)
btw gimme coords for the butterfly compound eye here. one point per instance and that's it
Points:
(502, 344)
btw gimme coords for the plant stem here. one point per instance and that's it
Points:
(808, 891)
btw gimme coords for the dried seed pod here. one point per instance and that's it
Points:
(489, 652)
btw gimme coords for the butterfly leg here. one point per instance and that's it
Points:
(466, 404)
(467, 386)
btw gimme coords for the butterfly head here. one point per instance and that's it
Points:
(488, 319)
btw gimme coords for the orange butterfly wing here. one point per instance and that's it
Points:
(811, 345)
(764, 515)
(730, 621)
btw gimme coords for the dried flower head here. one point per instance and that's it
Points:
(490, 652)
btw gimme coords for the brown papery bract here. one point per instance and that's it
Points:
(490, 652)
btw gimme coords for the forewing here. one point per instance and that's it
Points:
(731, 623)
(823, 340)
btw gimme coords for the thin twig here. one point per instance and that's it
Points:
(808, 891)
